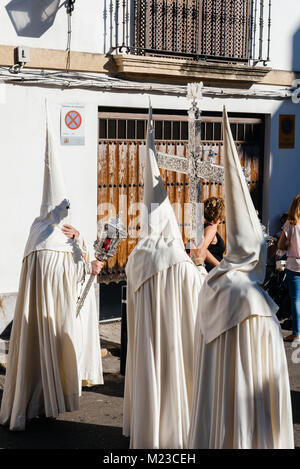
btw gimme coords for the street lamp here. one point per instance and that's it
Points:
(69, 4)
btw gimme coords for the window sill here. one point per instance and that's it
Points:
(186, 70)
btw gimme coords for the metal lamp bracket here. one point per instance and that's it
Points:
(69, 4)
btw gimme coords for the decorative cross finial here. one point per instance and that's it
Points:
(194, 91)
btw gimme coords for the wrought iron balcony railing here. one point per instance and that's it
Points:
(218, 30)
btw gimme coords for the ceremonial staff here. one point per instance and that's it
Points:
(106, 246)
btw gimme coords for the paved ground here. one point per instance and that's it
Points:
(98, 424)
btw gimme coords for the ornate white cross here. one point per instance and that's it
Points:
(193, 165)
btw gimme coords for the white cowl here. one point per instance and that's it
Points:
(232, 291)
(163, 287)
(45, 232)
(159, 227)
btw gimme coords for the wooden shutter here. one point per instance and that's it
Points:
(121, 162)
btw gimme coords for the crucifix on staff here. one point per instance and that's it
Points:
(121, 181)
(193, 165)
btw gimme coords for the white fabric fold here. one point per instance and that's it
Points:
(163, 287)
(159, 370)
(42, 371)
(89, 362)
(232, 290)
(241, 393)
(160, 245)
(53, 351)
(45, 232)
(152, 255)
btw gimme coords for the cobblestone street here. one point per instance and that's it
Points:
(98, 423)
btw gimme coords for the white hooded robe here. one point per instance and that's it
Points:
(241, 397)
(52, 351)
(163, 287)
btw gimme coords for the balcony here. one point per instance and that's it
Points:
(216, 39)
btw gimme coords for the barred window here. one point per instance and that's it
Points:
(205, 28)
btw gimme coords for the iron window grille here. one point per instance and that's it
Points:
(213, 30)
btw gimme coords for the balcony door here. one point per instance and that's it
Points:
(208, 29)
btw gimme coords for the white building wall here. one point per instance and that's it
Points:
(22, 117)
(285, 166)
(44, 24)
(285, 35)
(22, 143)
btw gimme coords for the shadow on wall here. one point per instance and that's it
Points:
(296, 55)
(32, 18)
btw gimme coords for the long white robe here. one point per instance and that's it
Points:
(90, 362)
(159, 370)
(163, 286)
(241, 389)
(49, 346)
(241, 393)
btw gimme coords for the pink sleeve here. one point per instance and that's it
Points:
(287, 230)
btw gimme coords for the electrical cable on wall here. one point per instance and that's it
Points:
(102, 82)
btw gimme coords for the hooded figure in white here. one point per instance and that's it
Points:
(241, 395)
(162, 295)
(52, 351)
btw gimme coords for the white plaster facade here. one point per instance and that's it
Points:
(22, 126)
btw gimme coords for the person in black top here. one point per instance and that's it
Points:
(212, 249)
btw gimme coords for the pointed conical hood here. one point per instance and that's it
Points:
(45, 232)
(159, 216)
(54, 191)
(160, 245)
(232, 291)
(246, 248)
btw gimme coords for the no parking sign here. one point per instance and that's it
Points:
(72, 121)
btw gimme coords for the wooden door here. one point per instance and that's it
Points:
(121, 156)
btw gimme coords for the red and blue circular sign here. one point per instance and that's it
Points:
(73, 120)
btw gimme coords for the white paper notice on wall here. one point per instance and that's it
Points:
(72, 123)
